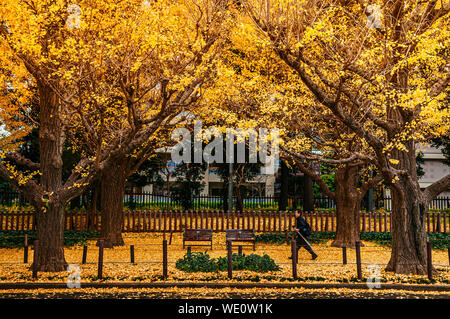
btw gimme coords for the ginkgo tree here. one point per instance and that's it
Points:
(109, 77)
(265, 93)
(383, 78)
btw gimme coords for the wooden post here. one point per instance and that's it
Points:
(83, 259)
(240, 250)
(230, 261)
(364, 221)
(380, 227)
(358, 259)
(100, 259)
(445, 222)
(189, 251)
(429, 261)
(279, 221)
(287, 237)
(259, 221)
(332, 221)
(448, 250)
(165, 259)
(36, 245)
(25, 250)
(438, 222)
(294, 257)
(344, 255)
(132, 254)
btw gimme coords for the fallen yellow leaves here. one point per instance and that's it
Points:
(327, 267)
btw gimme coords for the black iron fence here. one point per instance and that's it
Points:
(149, 200)
(138, 200)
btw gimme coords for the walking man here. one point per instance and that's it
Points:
(303, 231)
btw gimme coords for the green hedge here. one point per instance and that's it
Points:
(202, 262)
(16, 239)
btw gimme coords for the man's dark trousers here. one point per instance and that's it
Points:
(300, 242)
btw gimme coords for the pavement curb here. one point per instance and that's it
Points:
(219, 285)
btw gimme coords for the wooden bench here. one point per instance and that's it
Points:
(245, 235)
(197, 235)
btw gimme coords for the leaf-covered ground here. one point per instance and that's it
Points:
(327, 268)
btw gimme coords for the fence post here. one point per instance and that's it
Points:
(132, 254)
(344, 255)
(358, 259)
(448, 250)
(83, 258)
(287, 237)
(240, 250)
(189, 251)
(230, 262)
(294, 257)
(100, 259)
(25, 250)
(438, 222)
(36, 245)
(165, 259)
(429, 261)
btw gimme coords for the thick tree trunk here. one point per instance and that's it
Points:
(112, 193)
(408, 227)
(50, 221)
(50, 233)
(348, 205)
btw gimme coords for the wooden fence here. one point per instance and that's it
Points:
(259, 221)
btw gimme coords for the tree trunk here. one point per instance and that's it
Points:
(225, 196)
(348, 205)
(408, 254)
(284, 191)
(50, 221)
(239, 198)
(112, 193)
(308, 199)
(50, 233)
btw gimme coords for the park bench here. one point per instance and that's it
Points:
(197, 235)
(241, 235)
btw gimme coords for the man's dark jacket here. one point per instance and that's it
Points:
(301, 224)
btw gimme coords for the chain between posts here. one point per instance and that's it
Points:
(294, 262)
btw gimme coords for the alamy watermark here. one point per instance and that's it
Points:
(74, 16)
(74, 278)
(375, 15)
(373, 281)
(251, 142)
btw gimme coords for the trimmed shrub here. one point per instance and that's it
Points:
(202, 262)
